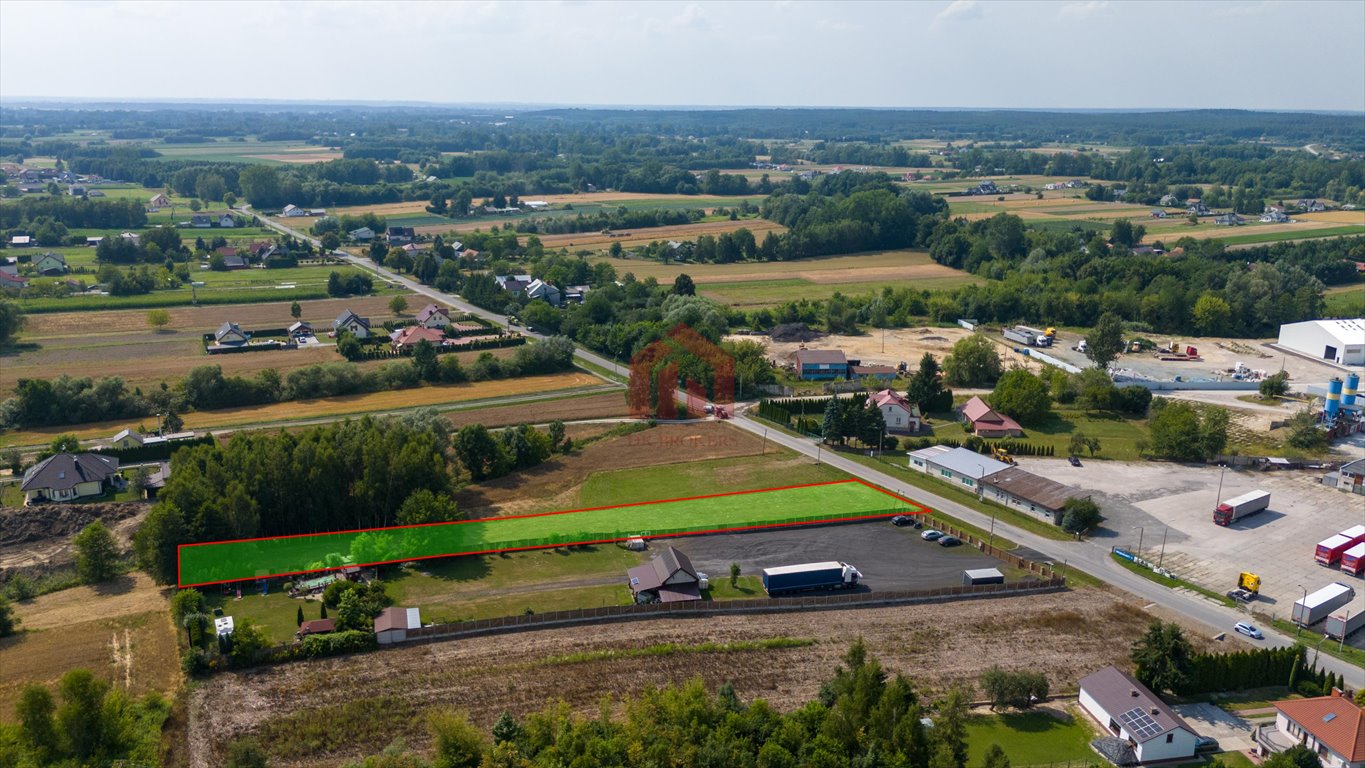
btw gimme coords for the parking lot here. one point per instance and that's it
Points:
(889, 558)
(1152, 502)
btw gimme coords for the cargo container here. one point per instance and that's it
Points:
(1041, 338)
(798, 578)
(1340, 625)
(977, 576)
(1233, 510)
(1353, 560)
(1330, 550)
(1319, 605)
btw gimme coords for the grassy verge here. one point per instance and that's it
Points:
(1029, 738)
(1329, 647)
(1172, 583)
(673, 649)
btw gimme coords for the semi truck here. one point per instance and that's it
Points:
(1030, 336)
(1319, 605)
(1340, 625)
(1353, 560)
(799, 578)
(1330, 550)
(1233, 510)
(1043, 338)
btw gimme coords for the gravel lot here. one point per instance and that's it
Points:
(889, 558)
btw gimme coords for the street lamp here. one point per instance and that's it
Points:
(1162, 558)
(1222, 468)
(1139, 530)
(1299, 632)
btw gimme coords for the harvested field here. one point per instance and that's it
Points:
(635, 237)
(59, 635)
(1335, 217)
(1249, 230)
(934, 645)
(327, 407)
(902, 345)
(604, 406)
(555, 484)
(300, 156)
(827, 269)
(382, 209)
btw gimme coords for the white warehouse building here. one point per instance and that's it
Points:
(1337, 341)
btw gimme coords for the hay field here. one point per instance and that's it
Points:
(1336, 217)
(635, 237)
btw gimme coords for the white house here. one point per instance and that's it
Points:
(955, 465)
(1331, 726)
(900, 414)
(433, 316)
(1141, 727)
(68, 476)
(226, 221)
(1338, 341)
(292, 210)
(358, 326)
(392, 624)
(539, 289)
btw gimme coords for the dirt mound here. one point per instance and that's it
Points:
(41, 535)
(794, 332)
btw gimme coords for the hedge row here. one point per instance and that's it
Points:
(387, 352)
(154, 452)
(1242, 670)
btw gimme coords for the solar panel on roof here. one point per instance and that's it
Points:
(1140, 724)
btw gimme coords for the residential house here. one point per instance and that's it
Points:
(76, 190)
(392, 624)
(985, 422)
(50, 264)
(513, 283)
(226, 221)
(547, 292)
(1229, 220)
(401, 235)
(69, 476)
(1018, 489)
(233, 260)
(433, 316)
(821, 364)
(293, 211)
(1274, 216)
(201, 221)
(668, 578)
(1311, 206)
(1197, 208)
(300, 330)
(158, 202)
(1167, 201)
(126, 439)
(1141, 728)
(315, 627)
(1331, 726)
(12, 282)
(405, 339)
(362, 235)
(358, 326)
(900, 414)
(230, 334)
(21, 241)
(576, 293)
(955, 465)
(881, 373)
(1158, 213)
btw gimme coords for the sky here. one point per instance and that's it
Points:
(1071, 54)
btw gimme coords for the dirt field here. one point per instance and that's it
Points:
(906, 345)
(636, 237)
(330, 406)
(60, 635)
(299, 156)
(41, 537)
(863, 267)
(604, 406)
(933, 645)
(554, 484)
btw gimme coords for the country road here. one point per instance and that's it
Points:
(1089, 556)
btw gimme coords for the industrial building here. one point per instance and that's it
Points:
(1336, 341)
(1027, 492)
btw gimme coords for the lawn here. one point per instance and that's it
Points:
(1307, 234)
(229, 561)
(1345, 303)
(1029, 738)
(1118, 436)
(766, 293)
(675, 481)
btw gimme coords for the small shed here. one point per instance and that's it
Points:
(975, 576)
(392, 624)
(315, 627)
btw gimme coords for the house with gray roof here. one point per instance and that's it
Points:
(1022, 490)
(69, 476)
(668, 578)
(358, 326)
(955, 465)
(230, 334)
(1139, 727)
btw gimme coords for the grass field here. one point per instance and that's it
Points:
(1029, 738)
(230, 561)
(1345, 301)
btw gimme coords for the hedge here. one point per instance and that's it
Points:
(1244, 670)
(334, 643)
(154, 452)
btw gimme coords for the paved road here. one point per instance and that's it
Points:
(1091, 557)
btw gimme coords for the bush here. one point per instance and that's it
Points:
(1019, 690)
(1080, 515)
(351, 641)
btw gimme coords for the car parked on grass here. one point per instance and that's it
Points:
(902, 521)
(931, 535)
(949, 541)
(1249, 630)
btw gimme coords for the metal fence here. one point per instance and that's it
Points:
(709, 608)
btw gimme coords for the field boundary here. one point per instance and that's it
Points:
(555, 540)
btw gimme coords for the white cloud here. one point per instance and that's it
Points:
(1083, 9)
(958, 10)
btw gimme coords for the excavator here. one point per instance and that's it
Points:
(1000, 454)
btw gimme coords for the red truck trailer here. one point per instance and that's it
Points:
(1353, 560)
(1330, 550)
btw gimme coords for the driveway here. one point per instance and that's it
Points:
(1233, 733)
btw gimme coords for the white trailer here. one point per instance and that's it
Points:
(1339, 626)
(1319, 605)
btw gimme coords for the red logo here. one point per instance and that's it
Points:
(683, 365)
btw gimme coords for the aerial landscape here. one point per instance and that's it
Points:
(562, 385)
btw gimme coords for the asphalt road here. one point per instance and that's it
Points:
(1091, 557)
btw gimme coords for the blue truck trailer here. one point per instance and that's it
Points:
(799, 578)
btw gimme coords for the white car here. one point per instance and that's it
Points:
(1247, 629)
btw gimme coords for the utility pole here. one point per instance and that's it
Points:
(1162, 559)
(1139, 552)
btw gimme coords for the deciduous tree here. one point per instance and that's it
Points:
(974, 362)
(96, 553)
(1105, 341)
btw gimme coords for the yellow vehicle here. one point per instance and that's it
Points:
(1249, 581)
(1051, 333)
(1000, 454)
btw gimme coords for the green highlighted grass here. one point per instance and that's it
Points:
(240, 560)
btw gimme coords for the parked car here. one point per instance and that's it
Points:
(1075, 461)
(902, 521)
(931, 535)
(949, 541)
(1206, 743)
(1244, 628)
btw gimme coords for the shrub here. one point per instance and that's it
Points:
(351, 641)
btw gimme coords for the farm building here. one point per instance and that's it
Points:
(1229, 220)
(1027, 492)
(876, 372)
(158, 202)
(513, 283)
(21, 241)
(985, 422)
(13, 282)
(358, 326)
(1274, 217)
(1338, 341)
(392, 624)
(69, 476)
(433, 316)
(156, 480)
(200, 221)
(1332, 726)
(668, 578)
(955, 465)
(539, 289)
(900, 414)
(818, 364)
(1142, 729)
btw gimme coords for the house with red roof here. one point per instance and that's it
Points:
(900, 414)
(405, 339)
(985, 422)
(1332, 726)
